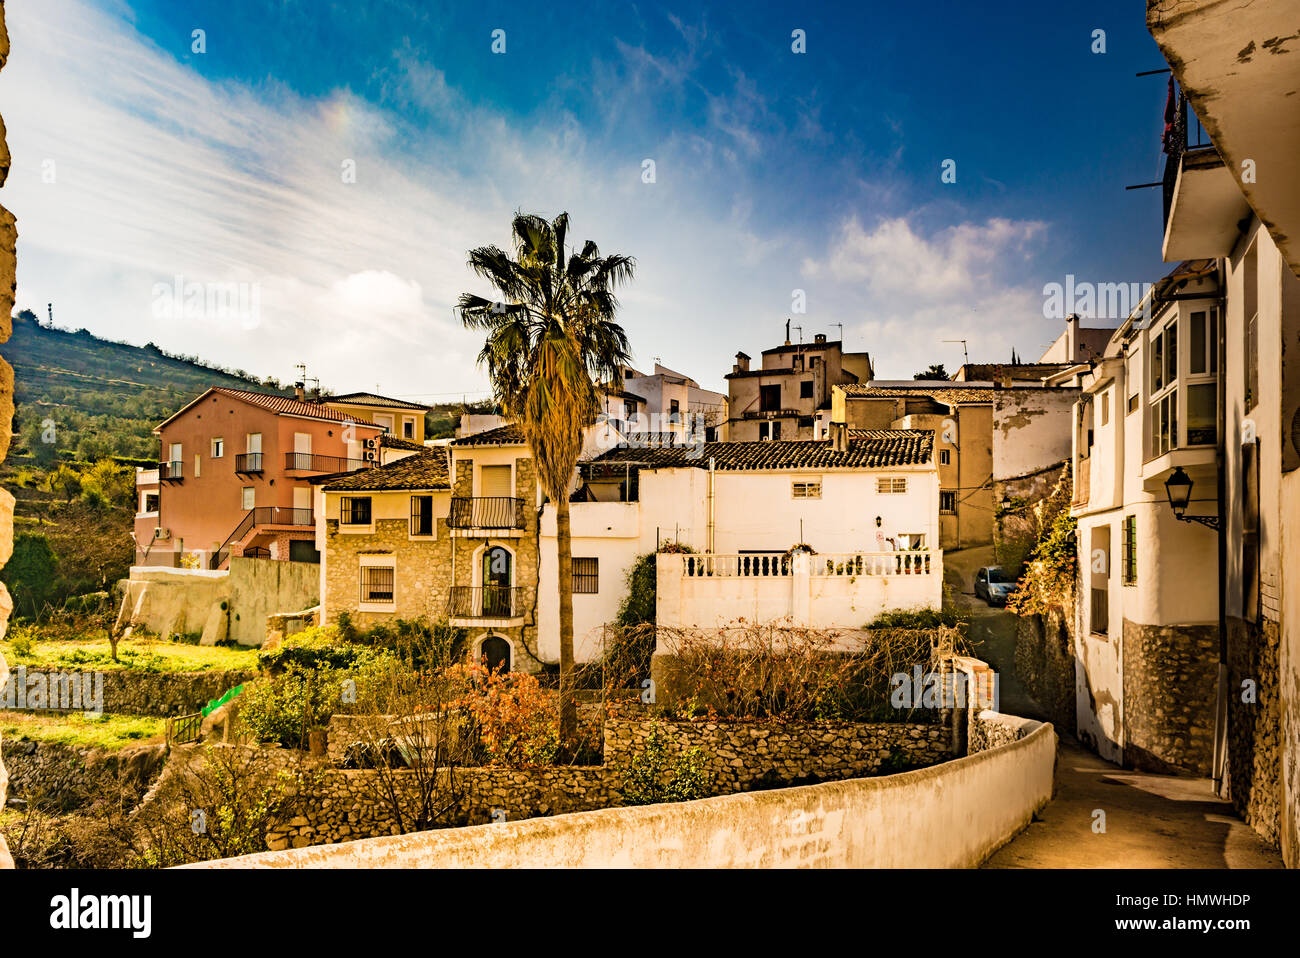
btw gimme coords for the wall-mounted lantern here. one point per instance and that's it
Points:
(1178, 488)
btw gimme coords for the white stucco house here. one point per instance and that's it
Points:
(868, 506)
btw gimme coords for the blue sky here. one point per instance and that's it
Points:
(774, 171)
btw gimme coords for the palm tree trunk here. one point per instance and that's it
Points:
(568, 699)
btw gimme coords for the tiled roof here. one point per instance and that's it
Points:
(867, 449)
(508, 435)
(393, 442)
(957, 393)
(281, 405)
(425, 470)
(372, 399)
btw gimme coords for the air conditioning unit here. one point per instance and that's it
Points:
(371, 456)
(161, 532)
(371, 443)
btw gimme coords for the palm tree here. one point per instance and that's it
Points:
(551, 337)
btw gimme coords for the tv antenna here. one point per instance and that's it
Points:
(965, 355)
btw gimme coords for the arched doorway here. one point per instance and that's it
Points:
(494, 653)
(497, 579)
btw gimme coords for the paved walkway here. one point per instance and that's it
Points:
(1152, 821)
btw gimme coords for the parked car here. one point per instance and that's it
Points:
(993, 585)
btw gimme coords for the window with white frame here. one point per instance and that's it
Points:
(218, 448)
(1163, 405)
(806, 489)
(354, 511)
(247, 496)
(1202, 389)
(378, 581)
(894, 486)
(945, 457)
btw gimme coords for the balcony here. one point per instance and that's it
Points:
(311, 462)
(475, 603)
(173, 471)
(712, 593)
(257, 521)
(249, 462)
(772, 414)
(486, 512)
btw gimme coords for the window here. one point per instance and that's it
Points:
(253, 442)
(1099, 570)
(384, 421)
(1164, 392)
(149, 503)
(947, 501)
(354, 511)
(175, 454)
(1130, 550)
(586, 576)
(769, 398)
(806, 389)
(891, 486)
(1250, 531)
(408, 428)
(945, 457)
(1132, 381)
(1105, 408)
(218, 448)
(1250, 321)
(629, 409)
(806, 489)
(377, 583)
(196, 465)
(247, 496)
(1202, 417)
(674, 411)
(421, 515)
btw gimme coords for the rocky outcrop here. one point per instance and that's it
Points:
(8, 266)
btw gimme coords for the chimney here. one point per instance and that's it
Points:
(787, 332)
(1072, 339)
(819, 339)
(839, 436)
(742, 363)
(299, 392)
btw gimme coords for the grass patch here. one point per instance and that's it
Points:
(109, 732)
(140, 654)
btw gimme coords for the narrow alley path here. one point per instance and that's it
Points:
(1151, 821)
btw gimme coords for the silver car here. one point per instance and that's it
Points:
(993, 585)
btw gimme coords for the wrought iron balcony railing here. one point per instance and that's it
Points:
(485, 602)
(312, 462)
(248, 462)
(172, 471)
(486, 512)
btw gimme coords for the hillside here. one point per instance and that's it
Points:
(104, 397)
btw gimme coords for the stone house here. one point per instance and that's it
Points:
(789, 395)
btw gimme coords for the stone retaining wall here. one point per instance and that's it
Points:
(161, 694)
(61, 778)
(953, 815)
(350, 804)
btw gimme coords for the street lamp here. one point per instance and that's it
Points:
(1179, 489)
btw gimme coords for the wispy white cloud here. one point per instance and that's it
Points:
(159, 171)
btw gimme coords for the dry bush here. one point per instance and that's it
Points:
(785, 673)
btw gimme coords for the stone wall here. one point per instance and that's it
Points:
(748, 755)
(60, 777)
(1254, 746)
(162, 694)
(350, 804)
(1170, 674)
(953, 815)
(8, 273)
(1045, 666)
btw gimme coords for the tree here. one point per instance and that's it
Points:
(550, 338)
(65, 481)
(30, 572)
(933, 372)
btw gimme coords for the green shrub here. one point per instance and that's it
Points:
(30, 573)
(919, 618)
(286, 708)
(659, 773)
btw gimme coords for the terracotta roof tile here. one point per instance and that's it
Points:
(425, 470)
(957, 393)
(286, 405)
(372, 399)
(508, 435)
(867, 449)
